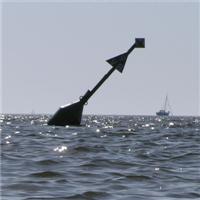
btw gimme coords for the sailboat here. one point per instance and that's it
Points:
(163, 111)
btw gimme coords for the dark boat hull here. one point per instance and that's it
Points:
(162, 113)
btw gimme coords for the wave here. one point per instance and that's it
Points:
(46, 174)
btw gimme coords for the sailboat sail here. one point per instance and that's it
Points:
(164, 111)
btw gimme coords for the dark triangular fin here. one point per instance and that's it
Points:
(118, 62)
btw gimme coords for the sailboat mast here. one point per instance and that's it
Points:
(165, 106)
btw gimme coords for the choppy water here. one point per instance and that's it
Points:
(109, 157)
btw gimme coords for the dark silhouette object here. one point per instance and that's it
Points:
(72, 114)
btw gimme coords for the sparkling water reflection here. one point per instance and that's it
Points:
(108, 157)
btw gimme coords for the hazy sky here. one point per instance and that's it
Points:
(52, 53)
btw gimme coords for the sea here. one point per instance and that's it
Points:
(106, 158)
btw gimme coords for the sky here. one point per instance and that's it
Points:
(53, 52)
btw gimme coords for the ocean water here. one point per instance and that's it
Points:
(107, 158)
